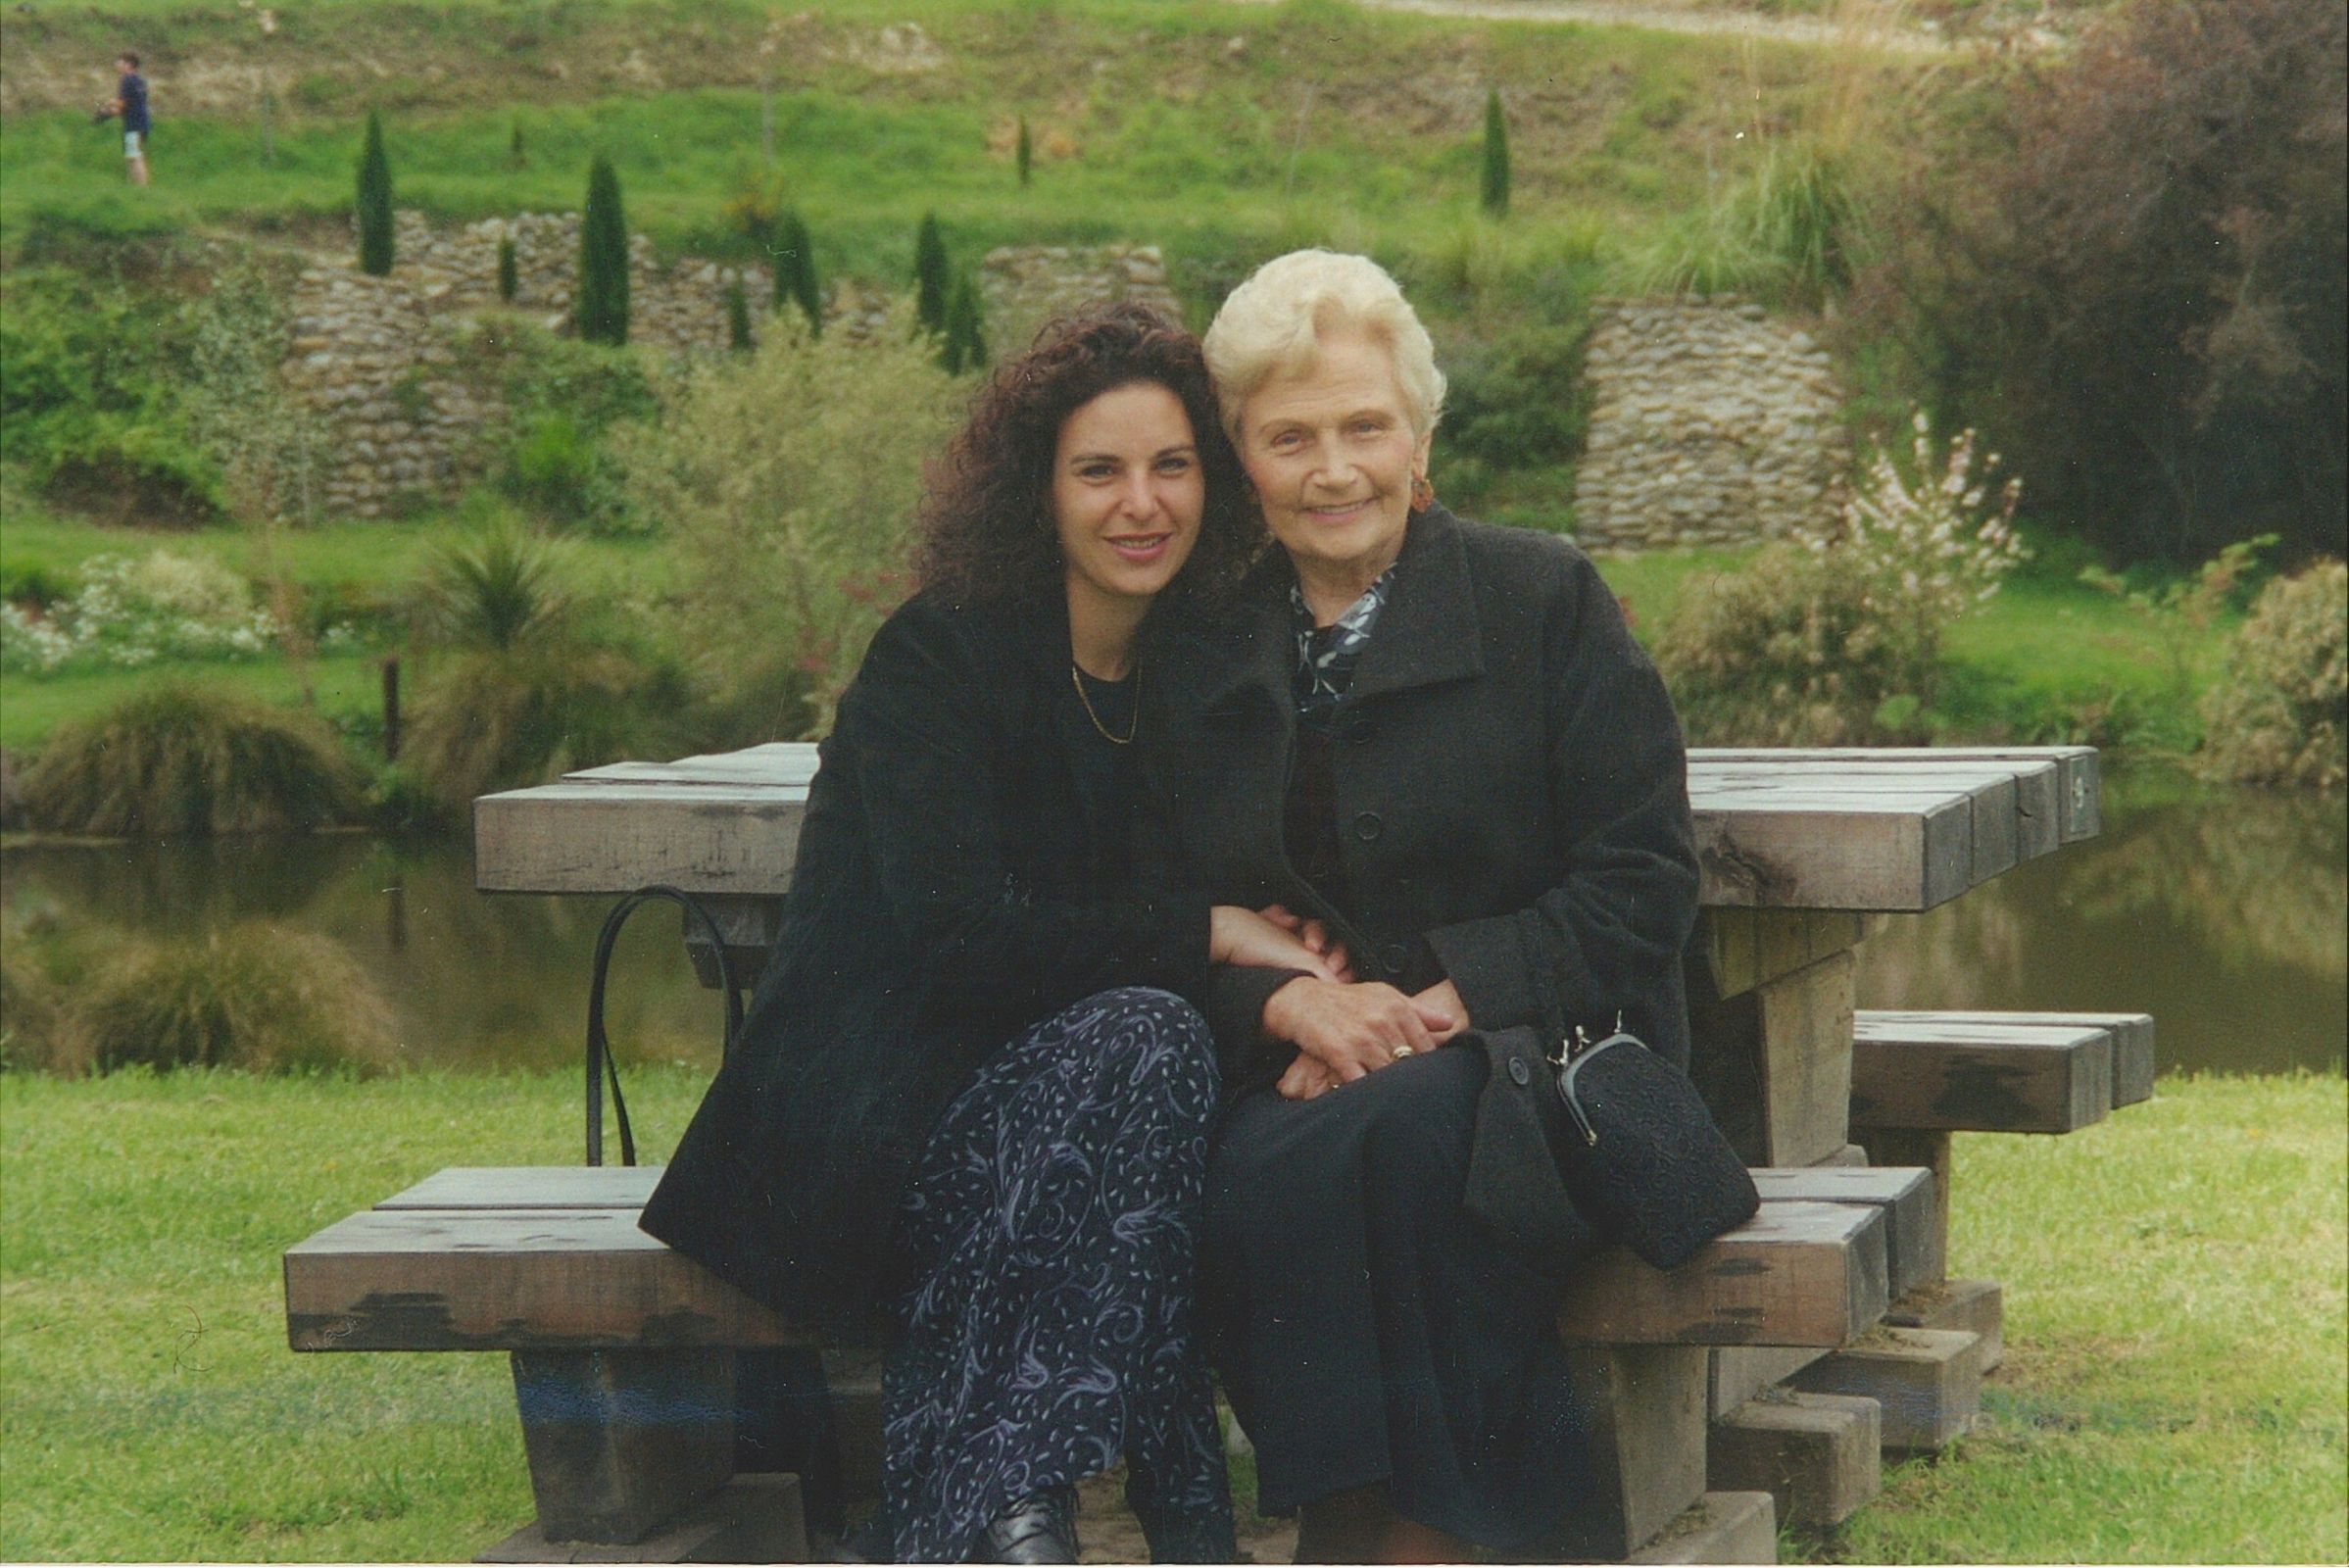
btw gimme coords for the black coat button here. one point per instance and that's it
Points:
(1359, 732)
(1519, 1072)
(1367, 826)
(1396, 957)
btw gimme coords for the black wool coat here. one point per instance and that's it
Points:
(1510, 793)
(957, 881)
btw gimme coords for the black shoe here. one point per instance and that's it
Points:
(1042, 1527)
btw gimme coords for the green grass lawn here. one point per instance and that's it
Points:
(2173, 1391)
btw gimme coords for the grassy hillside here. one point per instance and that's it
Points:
(1222, 131)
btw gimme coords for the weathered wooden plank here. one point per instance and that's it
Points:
(2076, 767)
(1925, 1148)
(1722, 1527)
(611, 838)
(754, 1518)
(1645, 1404)
(621, 1440)
(782, 764)
(1795, 1274)
(1977, 1077)
(1905, 1193)
(1804, 1053)
(1819, 1455)
(2017, 805)
(1820, 851)
(2131, 1031)
(1742, 1371)
(1928, 1381)
(543, 1279)
(1972, 1307)
(508, 1187)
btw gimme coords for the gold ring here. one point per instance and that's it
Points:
(1400, 1052)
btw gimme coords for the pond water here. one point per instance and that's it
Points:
(2219, 912)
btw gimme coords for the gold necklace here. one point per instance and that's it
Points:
(1077, 680)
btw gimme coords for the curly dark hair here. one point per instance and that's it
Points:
(987, 527)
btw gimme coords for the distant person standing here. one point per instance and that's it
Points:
(130, 104)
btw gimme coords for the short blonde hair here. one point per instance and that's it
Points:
(1277, 321)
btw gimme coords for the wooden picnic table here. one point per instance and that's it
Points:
(1803, 852)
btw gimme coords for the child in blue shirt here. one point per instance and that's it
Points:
(130, 103)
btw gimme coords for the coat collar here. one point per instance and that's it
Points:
(1426, 635)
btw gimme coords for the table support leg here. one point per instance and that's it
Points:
(619, 1441)
(1646, 1408)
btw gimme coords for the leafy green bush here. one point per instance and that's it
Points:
(787, 481)
(1785, 652)
(562, 396)
(1788, 229)
(1513, 405)
(178, 760)
(89, 401)
(602, 309)
(2282, 713)
(257, 995)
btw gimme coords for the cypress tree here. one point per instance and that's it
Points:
(931, 280)
(1023, 154)
(966, 345)
(374, 202)
(515, 152)
(795, 269)
(1497, 157)
(738, 319)
(601, 311)
(510, 277)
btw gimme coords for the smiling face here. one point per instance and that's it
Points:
(1332, 454)
(1128, 491)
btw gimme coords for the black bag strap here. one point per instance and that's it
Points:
(599, 1063)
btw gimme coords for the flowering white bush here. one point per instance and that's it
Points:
(1924, 550)
(131, 613)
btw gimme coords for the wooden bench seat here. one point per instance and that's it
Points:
(622, 1350)
(1997, 1071)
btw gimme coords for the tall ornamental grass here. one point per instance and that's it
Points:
(180, 760)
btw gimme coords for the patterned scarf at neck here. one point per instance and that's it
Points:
(1326, 655)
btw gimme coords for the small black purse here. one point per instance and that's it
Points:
(1640, 1153)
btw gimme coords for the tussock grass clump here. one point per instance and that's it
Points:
(258, 995)
(177, 758)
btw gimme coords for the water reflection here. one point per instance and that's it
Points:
(2220, 912)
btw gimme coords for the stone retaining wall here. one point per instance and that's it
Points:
(1711, 424)
(1022, 288)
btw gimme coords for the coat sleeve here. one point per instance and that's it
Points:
(918, 722)
(1609, 935)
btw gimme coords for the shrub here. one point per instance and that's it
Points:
(1512, 406)
(269, 445)
(257, 995)
(1494, 166)
(510, 277)
(1836, 639)
(2140, 288)
(794, 270)
(177, 760)
(2281, 715)
(92, 399)
(738, 317)
(374, 202)
(562, 396)
(788, 481)
(931, 276)
(1023, 153)
(601, 312)
(966, 345)
(502, 591)
(1785, 652)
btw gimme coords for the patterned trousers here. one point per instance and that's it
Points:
(1054, 1225)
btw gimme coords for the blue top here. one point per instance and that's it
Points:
(133, 90)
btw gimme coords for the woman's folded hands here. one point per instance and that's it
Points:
(1344, 1031)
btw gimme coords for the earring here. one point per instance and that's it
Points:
(1423, 494)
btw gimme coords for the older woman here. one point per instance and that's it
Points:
(969, 1091)
(1439, 738)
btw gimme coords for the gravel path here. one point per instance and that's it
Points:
(1675, 18)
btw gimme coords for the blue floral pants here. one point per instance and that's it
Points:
(1054, 1226)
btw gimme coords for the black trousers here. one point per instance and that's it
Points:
(1367, 1329)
